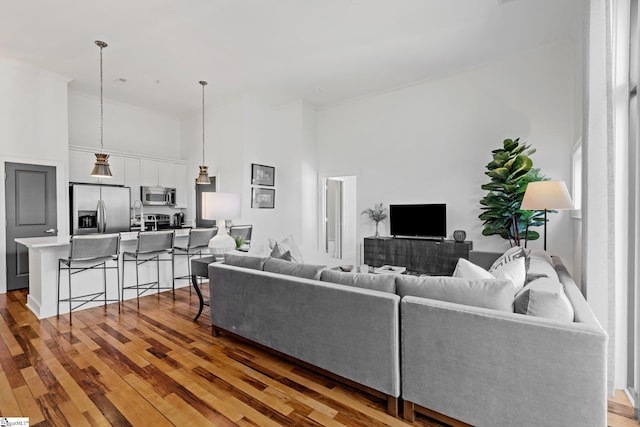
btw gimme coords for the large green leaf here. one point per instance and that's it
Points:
(510, 171)
(499, 173)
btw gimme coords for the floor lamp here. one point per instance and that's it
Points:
(544, 196)
(221, 207)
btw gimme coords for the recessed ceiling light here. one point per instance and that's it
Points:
(317, 90)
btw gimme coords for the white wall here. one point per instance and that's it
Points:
(242, 132)
(127, 129)
(33, 129)
(430, 142)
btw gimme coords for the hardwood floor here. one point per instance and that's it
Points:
(158, 367)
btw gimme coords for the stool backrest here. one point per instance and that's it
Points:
(155, 241)
(243, 231)
(92, 246)
(199, 237)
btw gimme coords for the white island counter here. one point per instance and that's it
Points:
(44, 253)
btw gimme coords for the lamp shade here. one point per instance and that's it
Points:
(220, 206)
(551, 195)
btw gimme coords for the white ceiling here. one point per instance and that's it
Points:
(323, 51)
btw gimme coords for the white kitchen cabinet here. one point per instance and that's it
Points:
(157, 173)
(182, 186)
(81, 163)
(148, 173)
(132, 177)
(166, 174)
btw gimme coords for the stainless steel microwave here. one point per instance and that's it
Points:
(158, 196)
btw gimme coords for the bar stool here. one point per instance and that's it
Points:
(198, 242)
(151, 246)
(243, 231)
(89, 252)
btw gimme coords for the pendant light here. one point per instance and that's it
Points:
(203, 176)
(101, 168)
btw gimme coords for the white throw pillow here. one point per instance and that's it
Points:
(514, 271)
(509, 255)
(465, 269)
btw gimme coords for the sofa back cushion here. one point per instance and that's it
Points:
(540, 265)
(307, 271)
(376, 282)
(246, 261)
(544, 297)
(488, 293)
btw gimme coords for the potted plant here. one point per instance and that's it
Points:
(376, 214)
(510, 171)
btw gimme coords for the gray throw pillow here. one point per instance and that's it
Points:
(246, 261)
(280, 253)
(307, 271)
(376, 282)
(487, 293)
(544, 297)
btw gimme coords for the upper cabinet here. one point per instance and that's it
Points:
(154, 173)
(81, 163)
(132, 177)
(182, 186)
(133, 172)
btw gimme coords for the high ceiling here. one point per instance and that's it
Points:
(323, 51)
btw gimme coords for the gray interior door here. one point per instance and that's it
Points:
(204, 188)
(30, 203)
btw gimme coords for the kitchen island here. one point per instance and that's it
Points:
(44, 253)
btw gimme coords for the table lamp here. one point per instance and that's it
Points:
(546, 195)
(221, 207)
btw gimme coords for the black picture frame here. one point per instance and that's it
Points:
(263, 198)
(263, 175)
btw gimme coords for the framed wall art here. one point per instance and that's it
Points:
(263, 198)
(263, 175)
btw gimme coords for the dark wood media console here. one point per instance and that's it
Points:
(433, 257)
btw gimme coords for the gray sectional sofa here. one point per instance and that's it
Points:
(448, 347)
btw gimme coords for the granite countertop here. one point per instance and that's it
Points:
(54, 241)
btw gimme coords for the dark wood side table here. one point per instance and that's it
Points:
(200, 268)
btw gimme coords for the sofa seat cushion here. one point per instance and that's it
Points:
(376, 282)
(246, 261)
(280, 266)
(495, 294)
(544, 297)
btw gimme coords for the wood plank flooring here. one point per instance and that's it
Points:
(157, 367)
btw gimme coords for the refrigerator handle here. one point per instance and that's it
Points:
(101, 216)
(98, 215)
(104, 217)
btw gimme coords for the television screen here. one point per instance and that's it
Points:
(429, 220)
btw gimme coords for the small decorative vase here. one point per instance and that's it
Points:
(459, 236)
(377, 234)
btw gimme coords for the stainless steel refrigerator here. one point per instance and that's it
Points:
(99, 208)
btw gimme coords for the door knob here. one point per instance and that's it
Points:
(51, 231)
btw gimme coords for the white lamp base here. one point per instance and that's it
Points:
(221, 243)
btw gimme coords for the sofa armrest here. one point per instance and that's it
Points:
(489, 368)
(351, 332)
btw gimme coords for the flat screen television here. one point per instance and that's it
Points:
(427, 221)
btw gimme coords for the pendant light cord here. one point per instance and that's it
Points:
(101, 45)
(101, 107)
(203, 83)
